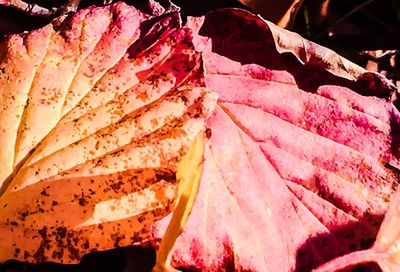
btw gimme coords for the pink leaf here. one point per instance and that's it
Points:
(301, 160)
(300, 165)
(385, 250)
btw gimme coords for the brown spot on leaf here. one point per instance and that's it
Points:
(83, 201)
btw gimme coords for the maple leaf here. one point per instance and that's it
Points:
(299, 167)
(98, 112)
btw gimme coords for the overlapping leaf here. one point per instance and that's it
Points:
(299, 168)
(385, 250)
(97, 112)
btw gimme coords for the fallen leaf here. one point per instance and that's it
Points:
(385, 250)
(301, 160)
(300, 165)
(189, 173)
(98, 112)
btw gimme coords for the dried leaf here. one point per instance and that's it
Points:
(121, 105)
(189, 173)
(299, 168)
(385, 250)
(30, 8)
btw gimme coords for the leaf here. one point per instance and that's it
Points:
(301, 162)
(98, 112)
(189, 174)
(385, 250)
(301, 159)
(30, 8)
